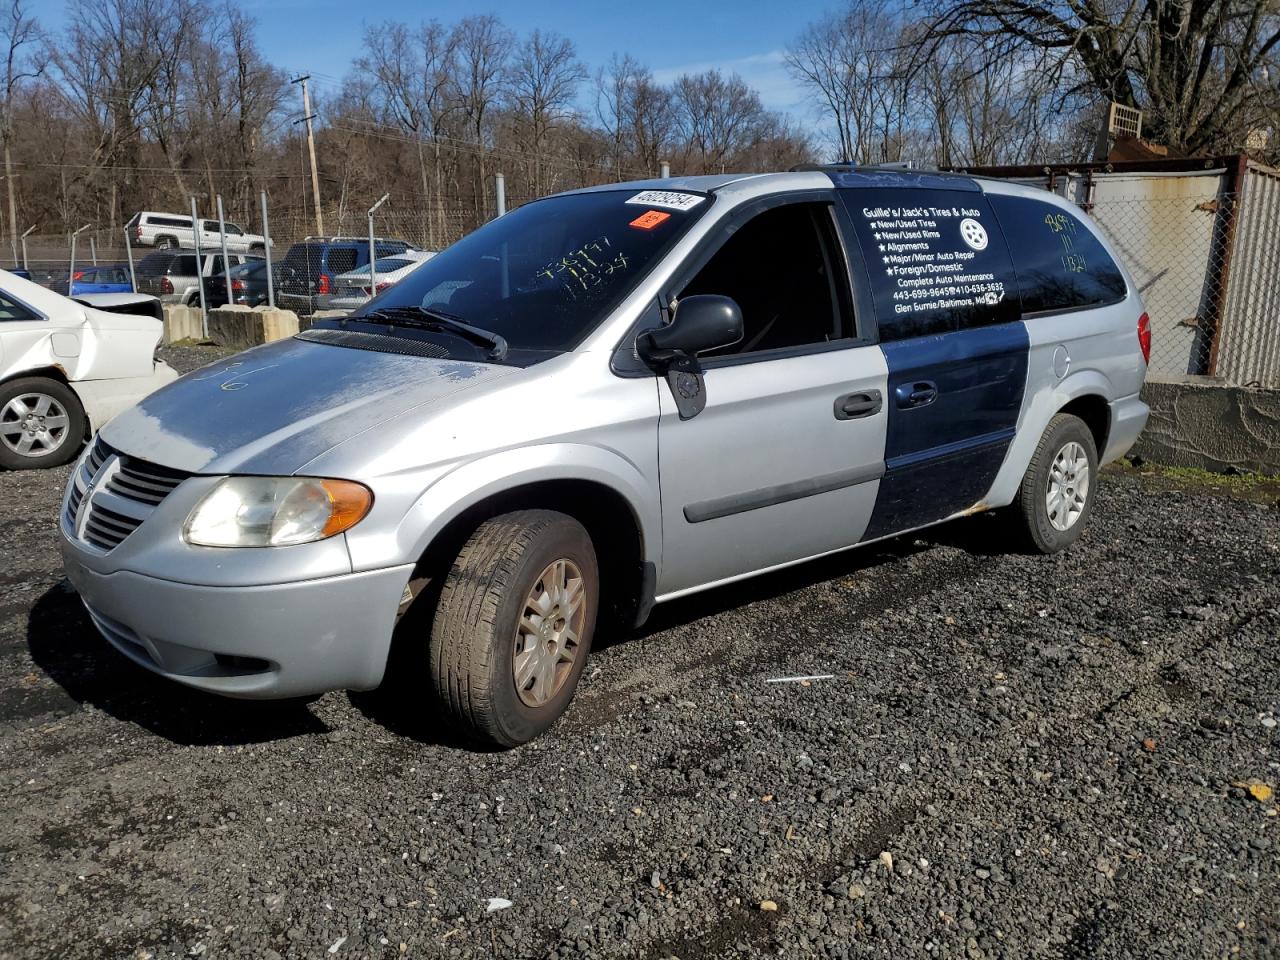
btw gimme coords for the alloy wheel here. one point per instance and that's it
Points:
(1068, 486)
(33, 425)
(547, 637)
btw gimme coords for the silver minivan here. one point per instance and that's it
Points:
(601, 401)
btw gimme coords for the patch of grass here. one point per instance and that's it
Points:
(1246, 486)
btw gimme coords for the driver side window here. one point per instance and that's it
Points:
(786, 271)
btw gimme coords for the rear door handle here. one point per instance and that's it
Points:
(855, 405)
(918, 393)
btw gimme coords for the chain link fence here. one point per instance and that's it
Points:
(1209, 272)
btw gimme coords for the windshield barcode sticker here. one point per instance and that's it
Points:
(670, 199)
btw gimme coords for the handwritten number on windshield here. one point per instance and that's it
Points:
(585, 268)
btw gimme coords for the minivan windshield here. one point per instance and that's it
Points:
(544, 275)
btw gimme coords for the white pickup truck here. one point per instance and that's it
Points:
(163, 230)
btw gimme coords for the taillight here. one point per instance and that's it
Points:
(1144, 337)
(378, 289)
(166, 285)
(239, 286)
(322, 284)
(78, 275)
(137, 232)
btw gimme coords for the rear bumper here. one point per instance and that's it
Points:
(103, 399)
(298, 303)
(259, 642)
(1128, 417)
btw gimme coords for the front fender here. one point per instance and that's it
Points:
(474, 481)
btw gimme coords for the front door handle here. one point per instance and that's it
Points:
(918, 393)
(855, 405)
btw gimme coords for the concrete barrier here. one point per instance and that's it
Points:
(240, 328)
(181, 323)
(1202, 422)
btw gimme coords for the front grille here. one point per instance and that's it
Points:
(143, 481)
(125, 490)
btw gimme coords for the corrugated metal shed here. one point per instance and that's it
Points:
(1247, 348)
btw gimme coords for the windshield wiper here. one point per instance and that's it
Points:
(421, 317)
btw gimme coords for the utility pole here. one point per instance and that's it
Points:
(10, 176)
(311, 149)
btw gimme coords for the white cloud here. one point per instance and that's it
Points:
(765, 72)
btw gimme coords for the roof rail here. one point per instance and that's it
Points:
(352, 240)
(844, 166)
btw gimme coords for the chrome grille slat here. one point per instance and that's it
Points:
(127, 492)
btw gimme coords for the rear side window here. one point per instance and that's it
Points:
(13, 310)
(154, 264)
(184, 266)
(1060, 265)
(341, 259)
(169, 221)
(936, 259)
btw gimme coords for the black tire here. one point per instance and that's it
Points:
(1029, 515)
(473, 638)
(72, 434)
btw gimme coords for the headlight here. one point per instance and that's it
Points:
(275, 511)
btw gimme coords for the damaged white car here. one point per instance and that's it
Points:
(66, 368)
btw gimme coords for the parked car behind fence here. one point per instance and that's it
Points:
(248, 285)
(103, 278)
(309, 268)
(351, 289)
(172, 275)
(171, 230)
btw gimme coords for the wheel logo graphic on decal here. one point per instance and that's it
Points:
(973, 233)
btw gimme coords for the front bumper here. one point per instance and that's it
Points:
(261, 642)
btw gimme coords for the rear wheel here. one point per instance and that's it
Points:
(1056, 497)
(41, 423)
(513, 625)
(166, 243)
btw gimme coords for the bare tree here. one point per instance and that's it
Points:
(852, 60)
(721, 117)
(415, 75)
(544, 81)
(1198, 69)
(651, 113)
(614, 84)
(20, 34)
(484, 48)
(108, 63)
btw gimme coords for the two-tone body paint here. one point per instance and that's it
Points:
(433, 438)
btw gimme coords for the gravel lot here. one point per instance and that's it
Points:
(1015, 756)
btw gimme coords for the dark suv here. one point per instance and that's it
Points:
(309, 267)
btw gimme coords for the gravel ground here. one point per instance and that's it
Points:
(1015, 756)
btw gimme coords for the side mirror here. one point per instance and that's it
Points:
(701, 322)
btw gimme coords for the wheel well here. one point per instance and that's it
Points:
(1096, 414)
(606, 515)
(49, 373)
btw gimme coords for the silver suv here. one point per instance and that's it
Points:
(604, 400)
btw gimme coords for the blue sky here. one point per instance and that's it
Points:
(321, 37)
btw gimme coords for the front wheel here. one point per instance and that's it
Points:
(41, 423)
(513, 625)
(1057, 493)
